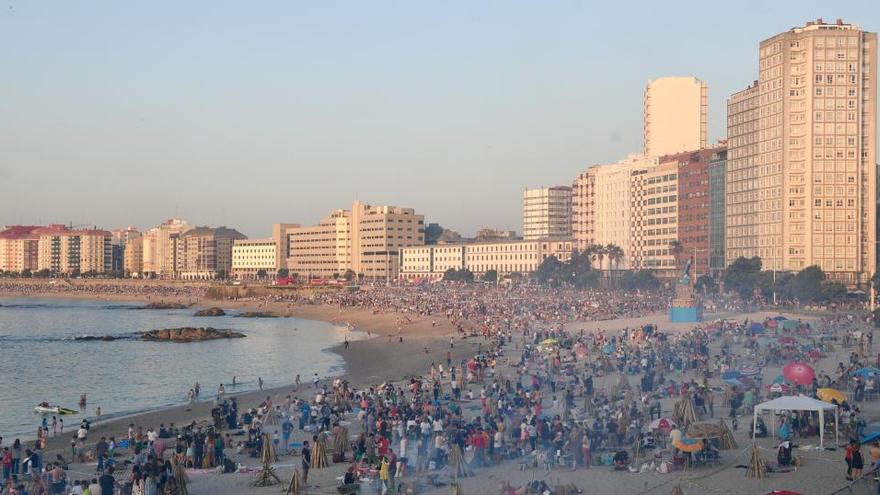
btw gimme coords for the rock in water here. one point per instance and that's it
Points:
(210, 312)
(90, 338)
(190, 334)
(164, 305)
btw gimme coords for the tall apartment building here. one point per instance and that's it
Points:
(654, 219)
(205, 253)
(802, 154)
(583, 209)
(676, 115)
(64, 250)
(366, 239)
(160, 247)
(741, 213)
(505, 257)
(717, 210)
(19, 248)
(547, 213)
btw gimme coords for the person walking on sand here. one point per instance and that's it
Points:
(259, 382)
(221, 392)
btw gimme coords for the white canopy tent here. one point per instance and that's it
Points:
(799, 403)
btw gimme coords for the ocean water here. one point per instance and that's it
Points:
(41, 361)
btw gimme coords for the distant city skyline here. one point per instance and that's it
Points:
(244, 116)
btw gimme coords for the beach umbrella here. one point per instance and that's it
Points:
(549, 342)
(663, 424)
(870, 437)
(772, 324)
(866, 372)
(732, 374)
(608, 349)
(685, 444)
(780, 318)
(757, 328)
(787, 340)
(816, 353)
(750, 371)
(799, 373)
(790, 324)
(830, 394)
(783, 492)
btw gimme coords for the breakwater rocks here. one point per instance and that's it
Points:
(189, 334)
(92, 338)
(256, 314)
(210, 312)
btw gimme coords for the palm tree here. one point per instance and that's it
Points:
(615, 254)
(601, 251)
(590, 253)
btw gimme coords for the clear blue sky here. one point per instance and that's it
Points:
(249, 113)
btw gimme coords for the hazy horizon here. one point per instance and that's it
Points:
(244, 115)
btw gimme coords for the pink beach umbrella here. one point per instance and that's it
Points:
(799, 373)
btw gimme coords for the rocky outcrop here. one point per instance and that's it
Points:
(210, 312)
(256, 314)
(164, 305)
(189, 334)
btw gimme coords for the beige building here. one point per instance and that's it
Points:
(366, 239)
(281, 236)
(205, 253)
(814, 167)
(160, 247)
(547, 213)
(67, 251)
(654, 219)
(251, 256)
(19, 247)
(133, 257)
(676, 115)
(524, 257)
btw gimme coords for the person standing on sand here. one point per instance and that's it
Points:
(259, 382)
(306, 461)
(221, 391)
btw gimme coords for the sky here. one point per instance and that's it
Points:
(244, 114)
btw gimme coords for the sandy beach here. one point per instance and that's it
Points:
(394, 351)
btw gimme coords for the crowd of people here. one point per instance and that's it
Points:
(537, 391)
